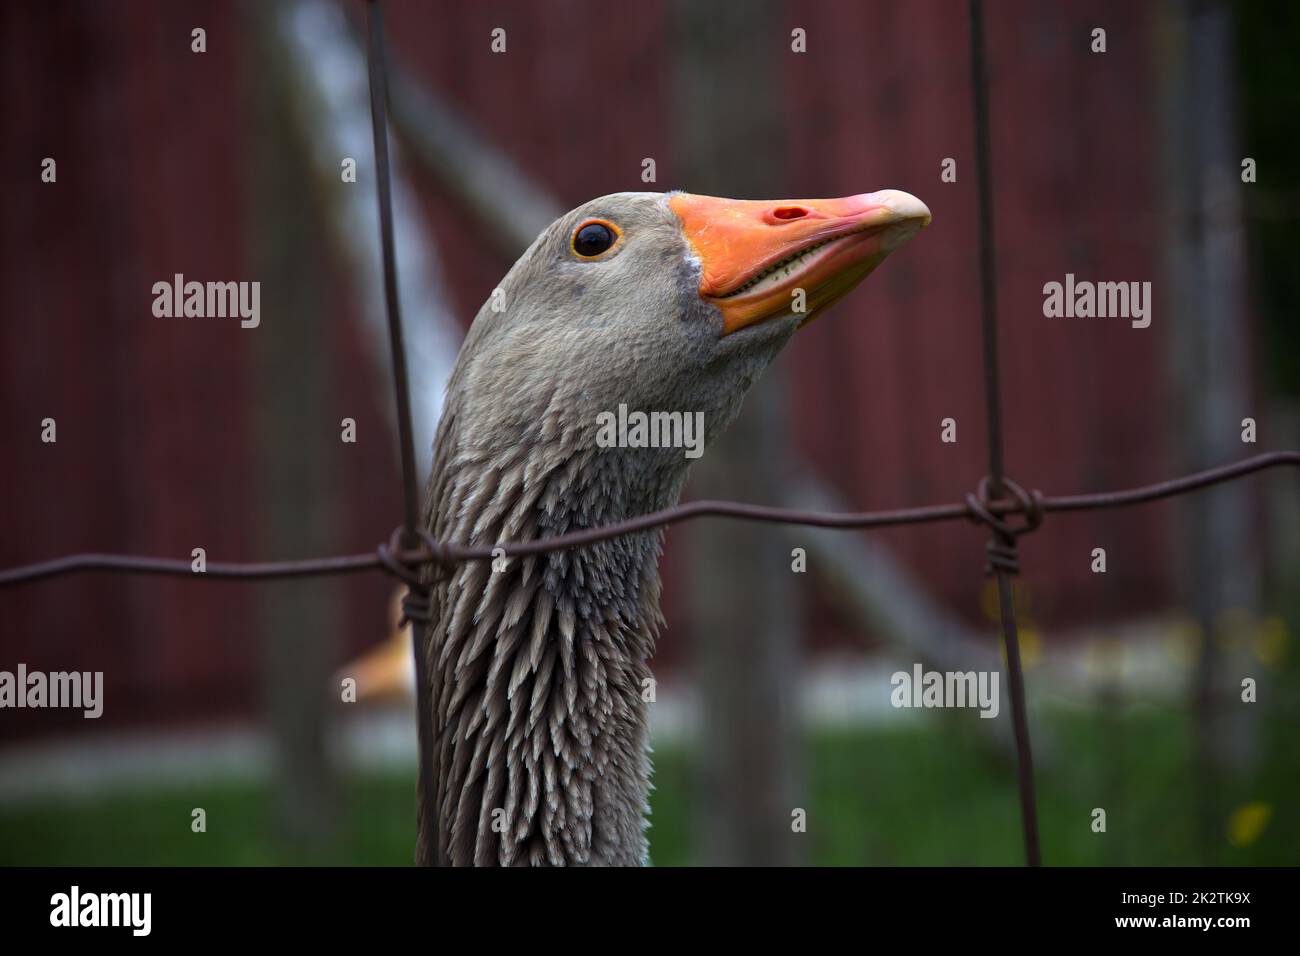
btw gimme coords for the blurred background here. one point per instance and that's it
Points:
(228, 164)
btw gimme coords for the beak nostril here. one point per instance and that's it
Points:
(789, 212)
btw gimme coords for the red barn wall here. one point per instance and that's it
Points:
(156, 419)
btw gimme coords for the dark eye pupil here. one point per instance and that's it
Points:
(593, 239)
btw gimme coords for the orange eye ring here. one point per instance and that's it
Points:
(594, 238)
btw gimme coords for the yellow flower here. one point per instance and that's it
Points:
(1271, 641)
(1247, 822)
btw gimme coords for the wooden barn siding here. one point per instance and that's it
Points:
(158, 450)
(153, 439)
(156, 418)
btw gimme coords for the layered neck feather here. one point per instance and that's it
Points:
(538, 665)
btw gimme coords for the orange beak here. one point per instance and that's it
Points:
(760, 259)
(387, 672)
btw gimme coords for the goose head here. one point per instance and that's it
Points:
(668, 302)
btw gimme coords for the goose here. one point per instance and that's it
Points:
(538, 666)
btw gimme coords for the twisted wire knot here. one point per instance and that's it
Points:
(1003, 554)
(416, 603)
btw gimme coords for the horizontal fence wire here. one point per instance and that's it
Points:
(446, 553)
(410, 549)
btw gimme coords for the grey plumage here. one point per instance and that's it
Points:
(536, 671)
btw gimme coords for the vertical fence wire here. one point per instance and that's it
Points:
(993, 403)
(418, 592)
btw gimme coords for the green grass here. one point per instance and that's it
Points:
(918, 795)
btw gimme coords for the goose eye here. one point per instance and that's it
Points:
(593, 238)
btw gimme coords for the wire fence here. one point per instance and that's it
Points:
(1003, 505)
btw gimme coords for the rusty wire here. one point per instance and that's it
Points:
(1003, 555)
(996, 503)
(416, 601)
(442, 553)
